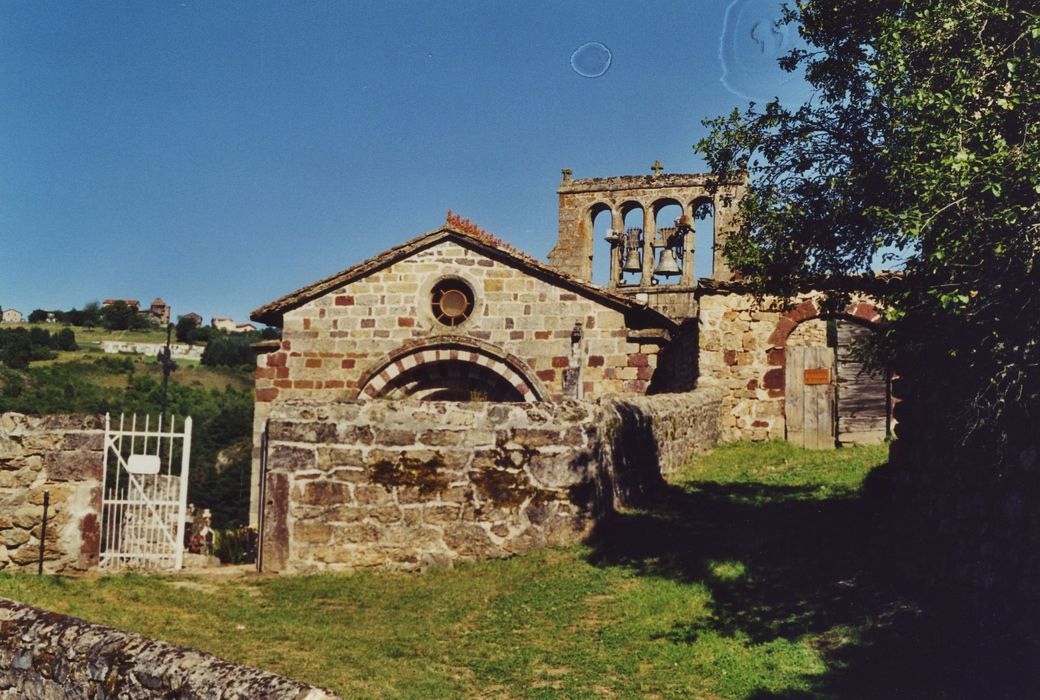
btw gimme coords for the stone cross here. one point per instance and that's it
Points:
(657, 168)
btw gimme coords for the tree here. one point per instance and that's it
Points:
(38, 316)
(921, 140)
(91, 315)
(16, 350)
(187, 329)
(65, 339)
(119, 316)
(229, 351)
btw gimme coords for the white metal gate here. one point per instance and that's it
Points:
(145, 492)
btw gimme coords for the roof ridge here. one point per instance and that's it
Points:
(461, 224)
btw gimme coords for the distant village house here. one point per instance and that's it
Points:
(228, 325)
(160, 311)
(12, 316)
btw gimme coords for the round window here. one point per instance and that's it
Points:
(452, 301)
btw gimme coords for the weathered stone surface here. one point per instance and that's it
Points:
(48, 656)
(470, 540)
(520, 475)
(10, 449)
(72, 465)
(324, 493)
(276, 527)
(291, 458)
(59, 456)
(558, 470)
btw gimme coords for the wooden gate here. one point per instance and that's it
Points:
(145, 492)
(809, 397)
(863, 395)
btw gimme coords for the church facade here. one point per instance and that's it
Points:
(456, 315)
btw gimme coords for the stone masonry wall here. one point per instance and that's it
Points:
(47, 656)
(743, 349)
(575, 245)
(332, 343)
(678, 426)
(407, 484)
(60, 455)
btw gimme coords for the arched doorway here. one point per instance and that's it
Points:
(451, 369)
(831, 397)
(450, 380)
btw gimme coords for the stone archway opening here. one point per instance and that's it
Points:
(451, 369)
(830, 396)
(450, 380)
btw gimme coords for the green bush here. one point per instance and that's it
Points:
(234, 545)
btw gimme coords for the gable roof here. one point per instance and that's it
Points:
(467, 234)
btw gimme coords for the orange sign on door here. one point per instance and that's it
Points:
(820, 375)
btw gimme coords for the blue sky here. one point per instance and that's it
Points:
(220, 154)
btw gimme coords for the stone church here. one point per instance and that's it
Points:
(459, 320)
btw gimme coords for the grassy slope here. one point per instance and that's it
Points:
(751, 577)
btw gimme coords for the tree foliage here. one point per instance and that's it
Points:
(225, 350)
(120, 316)
(222, 419)
(921, 142)
(20, 346)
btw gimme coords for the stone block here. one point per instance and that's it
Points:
(441, 513)
(309, 532)
(289, 458)
(357, 533)
(69, 466)
(557, 470)
(470, 540)
(373, 495)
(42, 442)
(13, 537)
(323, 493)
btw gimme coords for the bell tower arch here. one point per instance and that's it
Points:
(665, 253)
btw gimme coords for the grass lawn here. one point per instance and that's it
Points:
(754, 576)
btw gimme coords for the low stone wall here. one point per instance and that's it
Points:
(677, 426)
(60, 455)
(179, 351)
(407, 484)
(45, 655)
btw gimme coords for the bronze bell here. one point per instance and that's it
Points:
(666, 264)
(632, 263)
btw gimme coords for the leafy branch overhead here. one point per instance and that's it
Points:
(919, 146)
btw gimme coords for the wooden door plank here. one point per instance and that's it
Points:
(794, 396)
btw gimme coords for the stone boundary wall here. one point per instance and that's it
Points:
(63, 456)
(179, 351)
(408, 484)
(44, 655)
(680, 425)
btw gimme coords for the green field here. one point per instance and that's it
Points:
(759, 574)
(721, 589)
(92, 337)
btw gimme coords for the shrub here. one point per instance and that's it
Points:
(235, 545)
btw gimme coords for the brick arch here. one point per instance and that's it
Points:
(508, 367)
(776, 356)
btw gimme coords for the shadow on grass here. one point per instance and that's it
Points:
(786, 562)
